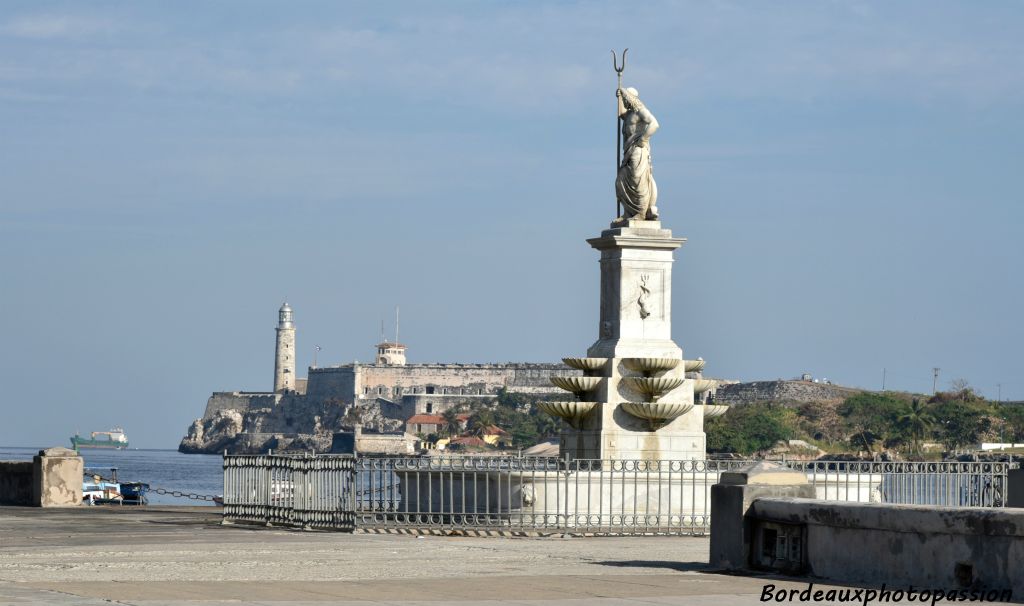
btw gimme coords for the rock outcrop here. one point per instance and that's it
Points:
(295, 424)
(214, 434)
(736, 394)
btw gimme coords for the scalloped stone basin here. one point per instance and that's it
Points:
(693, 365)
(653, 387)
(572, 412)
(715, 410)
(702, 385)
(585, 363)
(576, 385)
(658, 413)
(650, 365)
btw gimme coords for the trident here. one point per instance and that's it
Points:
(618, 131)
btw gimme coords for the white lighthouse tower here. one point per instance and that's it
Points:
(284, 360)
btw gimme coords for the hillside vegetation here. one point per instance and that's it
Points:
(869, 423)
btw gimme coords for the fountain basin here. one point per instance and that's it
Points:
(715, 410)
(650, 365)
(576, 385)
(657, 413)
(653, 387)
(590, 364)
(693, 365)
(702, 385)
(572, 412)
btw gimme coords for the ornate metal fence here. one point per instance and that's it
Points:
(942, 483)
(531, 494)
(304, 491)
(550, 495)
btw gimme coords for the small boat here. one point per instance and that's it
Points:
(115, 438)
(98, 491)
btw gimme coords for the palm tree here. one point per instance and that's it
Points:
(918, 421)
(450, 425)
(481, 422)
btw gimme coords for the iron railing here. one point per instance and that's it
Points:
(941, 483)
(304, 491)
(551, 495)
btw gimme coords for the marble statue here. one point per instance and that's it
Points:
(635, 188)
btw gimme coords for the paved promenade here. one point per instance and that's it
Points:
(158, 556)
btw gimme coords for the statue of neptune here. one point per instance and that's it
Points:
(635, 188)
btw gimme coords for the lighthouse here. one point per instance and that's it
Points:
(284, 360)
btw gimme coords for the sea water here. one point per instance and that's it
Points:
(167, 469)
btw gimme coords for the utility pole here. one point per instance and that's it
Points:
(883, 379)
(935, 378)
(999, 398)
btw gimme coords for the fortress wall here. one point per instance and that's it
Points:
(533, 380)
(457, 379)
(360, 381)
(427, 378)
(240, 401)
(766, 391)
(332, 383)
(434, 404)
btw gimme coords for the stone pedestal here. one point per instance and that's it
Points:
(636, 292)
(636, 322)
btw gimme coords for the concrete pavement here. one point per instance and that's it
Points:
(156, 556)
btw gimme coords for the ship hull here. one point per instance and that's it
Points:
(79, 443)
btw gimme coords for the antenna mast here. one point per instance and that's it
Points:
(396, 325)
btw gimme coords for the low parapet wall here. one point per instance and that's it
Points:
(52, 479)
(15, 482)
(949, 548)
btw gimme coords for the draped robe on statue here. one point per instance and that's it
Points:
(634, 185)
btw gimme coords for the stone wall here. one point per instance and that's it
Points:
(52, 479)
(16, 482)
(336, 382)
(358, 442)
(416, 404)
(240, 401)
(950, 548)
(793, 391)
(353, 381)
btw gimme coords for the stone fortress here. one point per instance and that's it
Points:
(304, 413)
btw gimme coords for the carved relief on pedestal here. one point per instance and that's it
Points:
(645, 294)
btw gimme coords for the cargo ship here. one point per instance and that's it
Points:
(115, 438)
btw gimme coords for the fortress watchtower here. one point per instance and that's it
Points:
(390, 353)
(284, 360)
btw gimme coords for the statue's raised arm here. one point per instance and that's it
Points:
(635, 188)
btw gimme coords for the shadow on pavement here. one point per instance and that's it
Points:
(671, 565)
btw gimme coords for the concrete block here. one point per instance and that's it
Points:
(732, 527)
(57, 478)
(764, 473)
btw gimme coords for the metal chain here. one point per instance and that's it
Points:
(184, 495)
(174, 493)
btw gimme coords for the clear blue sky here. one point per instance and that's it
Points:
(849, 176)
